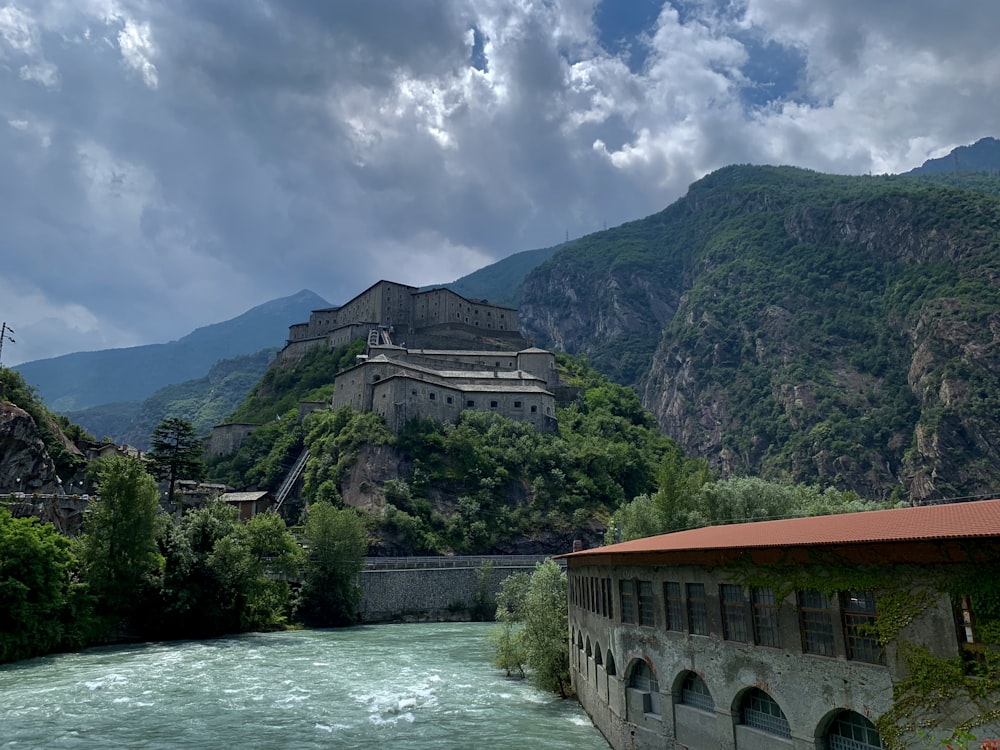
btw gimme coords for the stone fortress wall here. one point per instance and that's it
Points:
(454, 354)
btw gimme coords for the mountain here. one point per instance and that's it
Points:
(981, 156)
(73, 382)
(501, 282)
(790, 324)
(205, 402)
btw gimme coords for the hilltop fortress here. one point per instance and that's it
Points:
(453, 354)
(433, 319)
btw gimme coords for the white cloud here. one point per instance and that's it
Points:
(136, 44)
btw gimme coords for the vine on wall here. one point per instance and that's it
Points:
(933, 689)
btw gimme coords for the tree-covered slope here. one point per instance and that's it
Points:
(204, 402)
(792, 324)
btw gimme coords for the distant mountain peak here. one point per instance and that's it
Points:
(981, 156)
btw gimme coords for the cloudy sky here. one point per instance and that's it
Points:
(165, 164)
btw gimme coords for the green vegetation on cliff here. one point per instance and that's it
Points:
(53, 429)
(795, 325)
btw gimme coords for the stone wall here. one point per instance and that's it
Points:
(429, 593)
(227, 438)
(809, 688)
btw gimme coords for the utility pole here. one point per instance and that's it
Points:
(5, 335)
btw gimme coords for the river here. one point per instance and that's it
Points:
(411, 687)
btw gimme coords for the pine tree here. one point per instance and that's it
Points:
(176, 453)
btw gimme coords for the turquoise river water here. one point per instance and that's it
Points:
(412, 687)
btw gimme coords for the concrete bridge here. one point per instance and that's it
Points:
(434, 588)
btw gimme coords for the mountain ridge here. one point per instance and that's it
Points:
(76, 381)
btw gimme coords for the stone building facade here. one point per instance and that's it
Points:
(401, 384)
(435, 318)
(709, 638)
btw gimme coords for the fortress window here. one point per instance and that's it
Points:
(694, 692)
(816, 620)
(765, 617)
(852, 731)
(760, 711)
(470, 403)
(859, 615)
(672, 606)
(413, 392)
(734, 613)
(534, 408)
(449, 399)
(517, 404)
(431, 395)
(697, 609)
(494, 404)
(646, 615)
(626, 594)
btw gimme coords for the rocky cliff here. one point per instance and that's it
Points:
(25, 464)
(839, 330)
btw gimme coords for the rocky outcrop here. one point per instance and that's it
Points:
(25, 465)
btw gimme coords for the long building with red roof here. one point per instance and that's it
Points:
(796, 633)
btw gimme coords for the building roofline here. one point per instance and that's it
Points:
(930, 523)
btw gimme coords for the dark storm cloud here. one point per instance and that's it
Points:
(169, 164)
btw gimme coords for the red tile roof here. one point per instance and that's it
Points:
(932, 522)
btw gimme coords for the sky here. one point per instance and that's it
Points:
(167, 164)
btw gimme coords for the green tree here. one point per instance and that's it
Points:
(508, 648)
(532, 617)
(119, 547)
(336, 541)
(36, 564)
(176, 452)
(546, 627)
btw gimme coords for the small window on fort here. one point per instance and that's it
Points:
(517, 404)
(626, 596)
(765, 617)
(697, 609)
(816, 620)
(494, 404)
(694, 692)
(413, 393)
(734, 613)
(760, 711)
(449, 399)
(673, 606)
(645, 601)
(859, 619)
(534, 409)
(431, 395)
(470, 403)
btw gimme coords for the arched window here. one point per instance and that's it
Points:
(590, 651)
(598, 656)
(695, 693)
(852, 731)
(642, 681)
(760, 711)
(609, 663)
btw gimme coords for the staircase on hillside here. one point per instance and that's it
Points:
(291, 478)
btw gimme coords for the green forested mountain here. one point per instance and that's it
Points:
(501, 282)
(786, 323)
(205, 402)
(77, 381)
